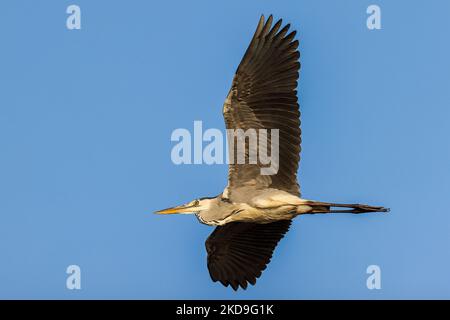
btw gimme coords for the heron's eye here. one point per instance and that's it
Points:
(195, 203)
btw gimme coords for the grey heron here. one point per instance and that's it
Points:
(255, 211)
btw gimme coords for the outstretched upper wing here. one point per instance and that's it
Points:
(263, 96)
(238, 252)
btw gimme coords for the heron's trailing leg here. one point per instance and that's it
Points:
(326, 207)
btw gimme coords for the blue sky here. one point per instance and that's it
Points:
(85, 123)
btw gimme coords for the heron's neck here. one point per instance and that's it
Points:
(215, 212)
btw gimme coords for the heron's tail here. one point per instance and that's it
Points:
(326, 207)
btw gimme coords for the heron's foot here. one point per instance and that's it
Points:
(363, 208)
(326, 207)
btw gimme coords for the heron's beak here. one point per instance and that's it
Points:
(177, 209)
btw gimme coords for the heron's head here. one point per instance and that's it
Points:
(193, 206)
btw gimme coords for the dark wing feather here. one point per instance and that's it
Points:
(238, 252)
(263, 96)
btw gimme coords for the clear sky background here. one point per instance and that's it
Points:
(85, 123)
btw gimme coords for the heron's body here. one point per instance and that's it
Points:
(255, 210)
(268, 206)
(264, 207)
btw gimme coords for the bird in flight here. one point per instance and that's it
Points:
(255, 211)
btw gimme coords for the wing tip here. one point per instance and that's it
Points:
(236, 284)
